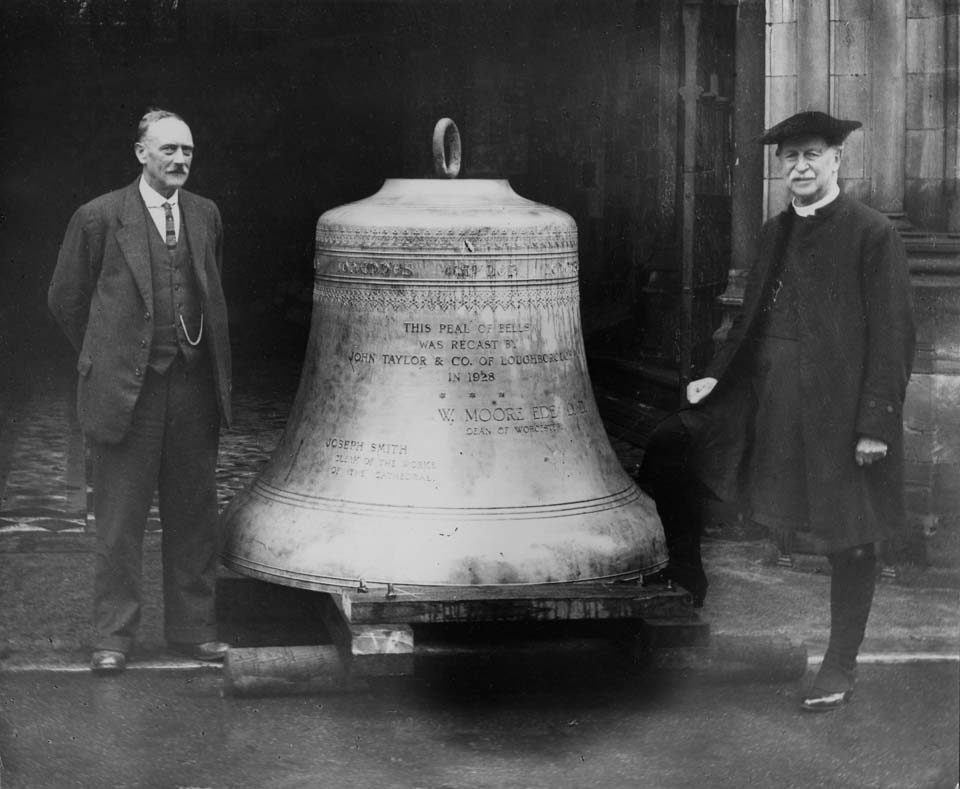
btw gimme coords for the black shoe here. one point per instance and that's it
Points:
(107, 661)
(825, 700)
(208, 650)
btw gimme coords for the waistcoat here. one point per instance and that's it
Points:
(175, 294)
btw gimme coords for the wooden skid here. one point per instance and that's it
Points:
(547, 603)
(381, 632)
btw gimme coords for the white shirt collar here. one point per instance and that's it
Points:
(808, 210)
(153, 198)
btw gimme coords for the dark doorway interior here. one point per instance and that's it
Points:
(297, 107)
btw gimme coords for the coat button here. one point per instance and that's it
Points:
(889, 409)
(143, 343)
(146, 316)
(138, 372)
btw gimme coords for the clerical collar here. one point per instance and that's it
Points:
(153, 198)
(810, 210)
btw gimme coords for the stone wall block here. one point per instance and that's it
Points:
(782, 50)
(857, 188)
(771, 162)
(852, 96)
(918, 408)
(925, 45)
(851, 46)
(942, 529)
(853, 9)
(925, 100)
(917, 445)
(781, 11)
(781, 99)
(945, 308)
(777, 196)
(925, 201)
(946, 498)
(924, 153)
(918, 486)
(854, 165)
(946, 396)
(918, 476)
(925, 8)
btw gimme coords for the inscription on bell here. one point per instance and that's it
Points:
(475, 361)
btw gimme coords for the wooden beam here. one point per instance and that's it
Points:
(240, 598)
(285, 671)
(563, 602)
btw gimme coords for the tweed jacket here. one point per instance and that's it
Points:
(856, 345)
(101, 295)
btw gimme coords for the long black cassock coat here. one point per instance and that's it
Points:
(855, 353)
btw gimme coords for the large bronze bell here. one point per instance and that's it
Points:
(444, 431)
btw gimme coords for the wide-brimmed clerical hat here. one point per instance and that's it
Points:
(809, 124)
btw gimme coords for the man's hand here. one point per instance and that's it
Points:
(870, 450)
(699, 389)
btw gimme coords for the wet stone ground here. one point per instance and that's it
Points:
(161, 730)
(46, 476)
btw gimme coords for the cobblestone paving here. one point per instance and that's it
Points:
(42, 446)
(46, 488)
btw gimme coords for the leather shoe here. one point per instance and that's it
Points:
(208, 650)
(825, 700)
(107, 661)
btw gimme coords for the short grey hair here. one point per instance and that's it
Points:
(152, 116)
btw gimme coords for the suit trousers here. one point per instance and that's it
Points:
(171, 447)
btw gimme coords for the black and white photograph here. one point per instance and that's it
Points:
(480, 394)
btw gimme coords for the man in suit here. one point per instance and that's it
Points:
(799, 416)
(137, 291)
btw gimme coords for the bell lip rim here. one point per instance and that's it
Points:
(330, 583)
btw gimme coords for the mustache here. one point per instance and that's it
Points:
(178, 168)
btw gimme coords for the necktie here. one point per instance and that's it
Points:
(171, 230)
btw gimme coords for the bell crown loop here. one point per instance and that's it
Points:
(445, 134)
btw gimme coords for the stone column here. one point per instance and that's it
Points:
(813, 56)
(747, 187)
(690, 93)
(888, 68)
(952, 113)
